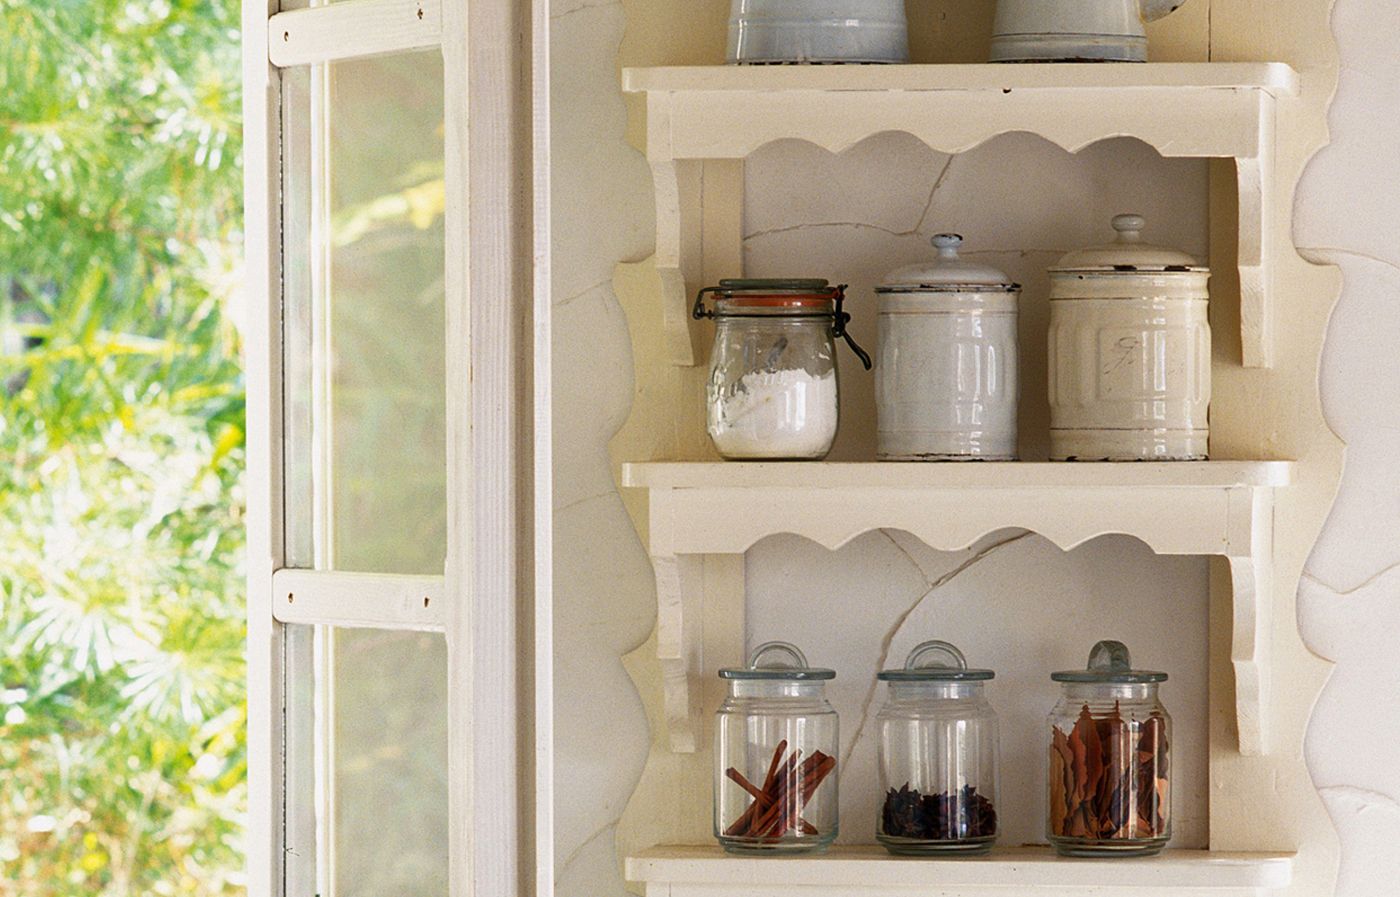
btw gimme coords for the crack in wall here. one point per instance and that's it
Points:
(932, 193)
(574, 854)
(1370, 800)
(554, 17)
(1319, 255)
(913, 231)
(581, 293)
(864, 225)
(1343, 593)
(859, 225)
(928, 583)
(570, 505)
(899, 622)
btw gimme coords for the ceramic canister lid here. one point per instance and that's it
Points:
(1128, 253)
(947, 272)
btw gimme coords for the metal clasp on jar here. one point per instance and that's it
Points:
(785, 289)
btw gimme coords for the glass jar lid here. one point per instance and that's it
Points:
(789, 298)
(947, 272)
(775, 284)
(1109, 661)
(1128, 253)
(935, 661)
(797, 294)
(777, 660)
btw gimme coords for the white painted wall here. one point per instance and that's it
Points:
(1021, 202)
(1349, 603)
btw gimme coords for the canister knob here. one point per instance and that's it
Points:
(947, 245)
(1129, 227)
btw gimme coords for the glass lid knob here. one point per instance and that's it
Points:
(777, 656)
(1109, 656)
(935, 655)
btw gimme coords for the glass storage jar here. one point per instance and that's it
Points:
(776, 742)
(1110, 775)
(772, 391)
(938, 756)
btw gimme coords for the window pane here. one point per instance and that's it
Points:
(366, 763)
(390, 765)
(388, 398)
(365, 342)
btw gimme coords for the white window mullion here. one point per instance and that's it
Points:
(360, 600)
(304, 302)
(262, 229)
(313, 822)
(298, 841)
(489, 437)
(461, 484)
(542, 845)
(353, 28)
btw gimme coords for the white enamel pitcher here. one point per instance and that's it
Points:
(1075, 30)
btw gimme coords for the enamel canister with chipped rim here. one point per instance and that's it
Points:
(1129, 352)
(947, 387)
(1075, 30)
(776, 32)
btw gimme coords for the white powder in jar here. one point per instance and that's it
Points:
(776, 414)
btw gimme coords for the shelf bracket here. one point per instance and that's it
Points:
(679, 194)
(1251, 581)
(699, 239)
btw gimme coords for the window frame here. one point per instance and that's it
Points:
(496, 581)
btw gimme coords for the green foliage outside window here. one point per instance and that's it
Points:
(122, 761)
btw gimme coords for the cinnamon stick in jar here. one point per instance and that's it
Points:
(776, 810)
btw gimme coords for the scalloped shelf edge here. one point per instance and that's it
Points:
(1209, 110)
(702, 509)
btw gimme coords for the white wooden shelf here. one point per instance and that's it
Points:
(856, 871)
(1202, 110)
(699, 510)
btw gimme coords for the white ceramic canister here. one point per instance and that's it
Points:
(946, 386)
(794, 31)
(1129, 352)
(1075, 30)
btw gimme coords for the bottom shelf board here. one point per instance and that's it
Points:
(862, 869)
